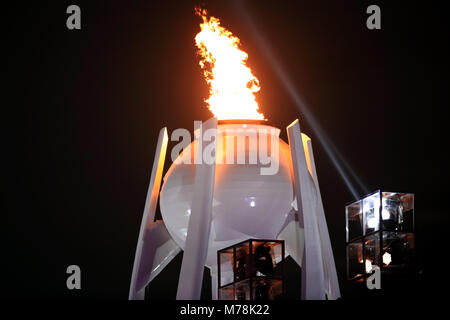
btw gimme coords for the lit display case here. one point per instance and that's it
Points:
(380, 231)
(251, 270)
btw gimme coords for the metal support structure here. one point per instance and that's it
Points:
(330, 274)
(199, 227)
(305, 190)
(158, 251)
(292, 234)
(149, 210)
(214, 284)
(305, 231)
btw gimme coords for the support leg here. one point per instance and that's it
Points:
(331, 279)
(312, 268)
(150, 207)
(157, 252)
(199, 227)
(214, 282)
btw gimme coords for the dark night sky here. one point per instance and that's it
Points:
(86, 108)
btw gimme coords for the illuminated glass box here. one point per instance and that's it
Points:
(251, 270)
(380, 231)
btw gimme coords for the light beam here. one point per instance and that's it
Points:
(331, 150)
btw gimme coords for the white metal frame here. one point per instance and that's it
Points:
(319, 277)
(199, 227)
(305, 232)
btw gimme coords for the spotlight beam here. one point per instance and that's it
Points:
(331, 150)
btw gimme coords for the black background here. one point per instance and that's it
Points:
(83, 110)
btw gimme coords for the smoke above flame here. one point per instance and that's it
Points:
(232, 86)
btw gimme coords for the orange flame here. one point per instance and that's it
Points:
(232, 86)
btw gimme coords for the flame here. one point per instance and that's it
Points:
(232, 86)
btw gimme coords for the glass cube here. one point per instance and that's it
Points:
(227, 293)
(225, 262)
(242, 290)
(267, 289)
(242, 261)
(266, 256)
(251, 269)
(354, 220)
(371, 212)
(389, 211)
(398, 250)
(355, 262)
(380, 231)
(398, 211)
(371, 252)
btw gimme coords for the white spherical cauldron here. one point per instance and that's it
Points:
(246, 204)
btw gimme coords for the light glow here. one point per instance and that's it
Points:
(387, 258)
(372, 223)
(232, 86)
(371, 207)
(368, 266)
(385, 215)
